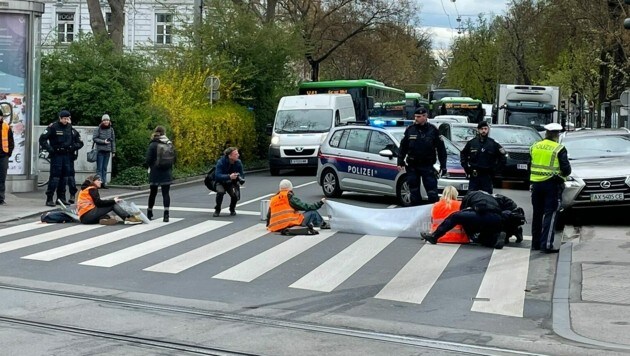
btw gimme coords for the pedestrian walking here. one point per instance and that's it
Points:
(58, 140)
(481, 158)
(419, 149)
(285, 210)
(229, 177)
(105, 140)
(549, 169)
(479, 215)
(160, 159)
(94, 210)
(8, 144)
(69, 180)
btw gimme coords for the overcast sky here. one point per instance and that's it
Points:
(440, 16)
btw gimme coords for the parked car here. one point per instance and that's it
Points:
(516, 140)
(458, 118)
(600, 169)
(363, 158)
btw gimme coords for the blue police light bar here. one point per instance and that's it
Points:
(387, 122)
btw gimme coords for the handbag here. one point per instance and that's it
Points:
(91, 155)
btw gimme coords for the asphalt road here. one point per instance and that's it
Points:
(231, 264)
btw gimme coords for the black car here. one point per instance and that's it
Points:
(516, 140)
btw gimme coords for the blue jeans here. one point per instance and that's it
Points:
(312, 217)
(102, 160)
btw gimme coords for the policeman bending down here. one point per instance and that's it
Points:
(58, 140)
(419, 146)
(480, 157)
(481, 214)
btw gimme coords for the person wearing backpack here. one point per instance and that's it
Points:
(105, 141)
(228, 176)
(160, 159)
(69, 179)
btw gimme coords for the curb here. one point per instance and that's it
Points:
(561, 311)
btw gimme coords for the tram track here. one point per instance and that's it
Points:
(422, 343)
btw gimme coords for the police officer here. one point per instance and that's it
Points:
(479, 215)
(57, 139)
(419, 146)
(480, 157)
(7, 144)
(69, 179)
(549, 169)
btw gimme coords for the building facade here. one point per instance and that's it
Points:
(148, 23)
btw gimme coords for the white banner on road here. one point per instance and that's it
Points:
(400, 222)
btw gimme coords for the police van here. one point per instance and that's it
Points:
(363, 158)
(301, 124)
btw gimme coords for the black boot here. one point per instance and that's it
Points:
(429, 237)
(150, 214)
(49, 201)
(519, 234)
(500, 240)
(165, 219)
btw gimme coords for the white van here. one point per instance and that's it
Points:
(301, 125)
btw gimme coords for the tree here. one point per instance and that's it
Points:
(117, 23)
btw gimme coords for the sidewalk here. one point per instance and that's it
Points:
(591, 299)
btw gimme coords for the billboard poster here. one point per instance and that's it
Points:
(13, 63)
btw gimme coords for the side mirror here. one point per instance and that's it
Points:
(7, 110)
(386, 153)
(269, 129)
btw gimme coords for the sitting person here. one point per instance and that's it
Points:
(448, 204)
(513, 218)
(284, 210)
(480, 214)
(93, 210)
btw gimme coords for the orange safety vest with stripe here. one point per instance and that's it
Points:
(85, 202)
(282, 214)
(5, 137)
(440, 212)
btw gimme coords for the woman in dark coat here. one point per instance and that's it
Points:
(160, 170)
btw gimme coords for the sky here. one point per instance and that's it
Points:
(440, 16)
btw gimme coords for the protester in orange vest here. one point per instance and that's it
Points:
(441, 210)
(6, 135)
(92, 209)
(284, 210)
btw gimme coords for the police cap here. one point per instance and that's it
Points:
(64, 113)
(420, 111)
(482, 124)
(553, 127)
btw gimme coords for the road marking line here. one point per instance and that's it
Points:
(209, 251)
(22, 228)
(272, 194)
(198, 210)
(145, 248)
(49, 236)
(340, 267)
(262, 263)
(97, 241)
(414, 281)
(503, 285)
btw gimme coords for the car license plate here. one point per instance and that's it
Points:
(521, 166)
(299, 161)
(607, 197)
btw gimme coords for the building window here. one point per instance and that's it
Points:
(163, 30)
(108, 22)
(65, 27)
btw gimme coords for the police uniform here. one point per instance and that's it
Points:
(419, 146)
(58, 140)
(550, 165)
(479, 158)
(69, 180)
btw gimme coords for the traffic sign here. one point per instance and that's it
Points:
(212, 83)
(625, 98)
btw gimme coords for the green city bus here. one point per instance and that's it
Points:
(364, 92)
(450, 105)
(413, 101)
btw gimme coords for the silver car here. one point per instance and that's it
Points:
(363, 159)
(600, 165)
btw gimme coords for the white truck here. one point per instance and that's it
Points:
(527, 105)
(302, 123)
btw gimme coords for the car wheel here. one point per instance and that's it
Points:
(330, 184)
(403, 193)
(274, 171)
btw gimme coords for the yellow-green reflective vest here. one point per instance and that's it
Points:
(545, 162)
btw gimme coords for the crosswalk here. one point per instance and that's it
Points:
(502, 289)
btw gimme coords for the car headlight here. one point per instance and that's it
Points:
(572, 182)
(275, 139)
(628, 181)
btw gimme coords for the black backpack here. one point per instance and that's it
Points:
(209, 181)
(56, 216)
(165, 155)
(516, 217)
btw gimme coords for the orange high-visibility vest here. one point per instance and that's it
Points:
(282, 214)
(440, 212)
(5, 137)
(85, 202)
